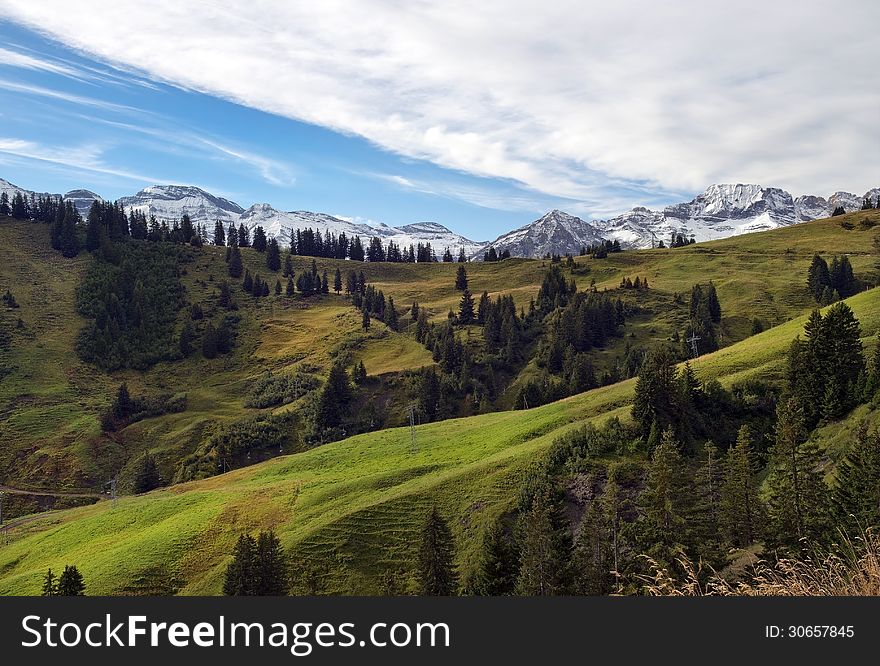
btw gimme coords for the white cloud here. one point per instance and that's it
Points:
(88, 157)
(569, 98)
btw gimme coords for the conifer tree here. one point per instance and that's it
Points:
(337, 281)
(437, 575)
(705, 519)
(495, 573)
(235, 265)
(654, 406)
(273, 255)
(593, 556)
(544, 549)
(5, 210)
(241, 573)
(365, 320)
(288, 265)
(334, 396)
(798, 503)
(271, 574)
(71, 583)
(739, 499)
(290, 288)
(219, 234)
(856, 496)
(391, 319)
(461, 279)
(209, 342)
(259, 242)
(185, 342)
(466, 307)
(50, 581)
(462, 259)
(278, 287)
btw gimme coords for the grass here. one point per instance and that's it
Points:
(355, 505)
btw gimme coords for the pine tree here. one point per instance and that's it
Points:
(818, 278)
(248, 283)
(844, 363)
(50, 582)
(241, 573)
(278, 287)
(437, 574)
(273, 255)
(593, 556)
(495, 573)
(365, 320)
(654, 405)
(544, 549)
(4, 207)
(705, 518)
(391, 319)
(798, 503)
(209, 342)
(271, 574)
(462, 258)
(740, 506)
(185, 342)
(259, 242)
(71, 583)
(337, 281)
(235, 266)
(288, 266)
(665, 501)
(219, 234)
(461, 278)
(142, 475)
(466, 307)
(290, 288)
(334, 396)
(856, 496)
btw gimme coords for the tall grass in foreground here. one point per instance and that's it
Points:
(854, 572)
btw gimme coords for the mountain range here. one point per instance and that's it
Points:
(721, 211)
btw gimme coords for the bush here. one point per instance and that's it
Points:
(272, 390)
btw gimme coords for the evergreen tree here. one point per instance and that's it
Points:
(437, 574)
(365, 320)
(71, 583)
(325, 284)
(798, 503)
(462, 259)
(5, 210)
(544, 549)
(739, 499)
(241, 573)
(844, 363)
(219, 234)
(665, 501)
(141, 475)
(50, 582)
(359, 373)
(705, 519)
(818, 278)
(288, 266)
(856, 496)
(334, 396)
(209, 342)
(593, 556)
(654, 402)
(259, 242)
(461, 279)
(278, 287)
(429, 393)
(466, 307)
(337, 281)
(235, 266)
(244, 236)
(273, 255)
(391, 319)
(495, 573)
(290, 287)
(271, 572)
(186, 340)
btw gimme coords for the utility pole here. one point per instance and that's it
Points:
(693, 342)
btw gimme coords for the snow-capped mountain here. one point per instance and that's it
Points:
(556, 232)
(170, 202)
(11, 189)
(722, 211)
(82, 200)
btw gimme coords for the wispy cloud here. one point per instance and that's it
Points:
(87, 157)
(71, 98)
(572, 99)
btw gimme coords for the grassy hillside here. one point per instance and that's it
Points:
(50, 402)
(353, 506)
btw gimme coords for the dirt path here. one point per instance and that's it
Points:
(54, 493)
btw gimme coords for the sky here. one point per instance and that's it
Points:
(479, 116)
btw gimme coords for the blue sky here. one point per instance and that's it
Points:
(481, 121)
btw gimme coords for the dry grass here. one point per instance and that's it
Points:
(854, 572)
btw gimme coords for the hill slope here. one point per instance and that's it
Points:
(355, 504)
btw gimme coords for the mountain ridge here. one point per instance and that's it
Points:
(722, 210)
